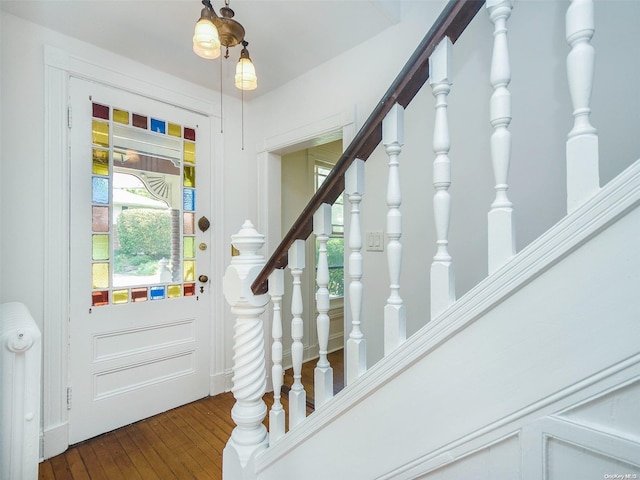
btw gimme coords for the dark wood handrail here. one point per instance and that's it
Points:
(455, 17)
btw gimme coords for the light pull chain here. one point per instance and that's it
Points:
(221, 122)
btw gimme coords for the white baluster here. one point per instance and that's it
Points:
(323, 373)
(501, 235)
(394, 311)
(249, 369)
(583, 179)
(276, 414)
(442, 275)
(356, 344)
(297, 395)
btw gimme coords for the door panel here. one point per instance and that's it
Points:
(139, 319)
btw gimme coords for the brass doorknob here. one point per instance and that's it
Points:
(203, 279)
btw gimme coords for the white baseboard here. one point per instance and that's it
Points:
(55, 440)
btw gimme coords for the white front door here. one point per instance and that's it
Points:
(139, 316)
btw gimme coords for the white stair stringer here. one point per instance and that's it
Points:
(556, 326)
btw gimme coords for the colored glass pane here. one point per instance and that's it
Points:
(175, 130)
(100, 133)
(189, 222)
(189, 271)
(158, 126)
(189, 289)
(174, 291)
(139, 294)
(100, 247)
(99, 298)
(189, 176)
(120, 296)
(100, 111)
(157, 293)
(100, 190)
(120, 116)
(100, 162)
(190, 134)
(189, 152)
(100, 219)
(189, 200)
(139, 121)
(189, 247)
(100, 275)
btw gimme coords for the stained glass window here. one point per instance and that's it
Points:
(141, 188)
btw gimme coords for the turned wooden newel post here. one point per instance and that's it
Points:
(249, 370)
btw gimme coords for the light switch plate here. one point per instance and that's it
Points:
(374, 242)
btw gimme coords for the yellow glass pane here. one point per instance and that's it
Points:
(175, 130)
(174, 291)
(189, 152)
(189, 247)
(120, 296)
(189, 176)
(100, 133)
(100, 275)
(100, 162)
(120, 116)
(189, 270)
(100, 247)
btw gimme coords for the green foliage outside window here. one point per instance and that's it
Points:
(144, 237)
(335, 258)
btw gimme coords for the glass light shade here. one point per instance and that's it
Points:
(246, 78)
(206, 42)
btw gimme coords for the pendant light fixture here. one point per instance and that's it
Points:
(213, 31)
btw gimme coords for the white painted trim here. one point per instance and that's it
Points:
(613, 201)
(598, 442)
(58, 67)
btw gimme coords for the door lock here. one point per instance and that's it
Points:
(202, 279)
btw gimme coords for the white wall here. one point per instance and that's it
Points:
(541, 120)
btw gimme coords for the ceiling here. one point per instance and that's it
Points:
(286, 37)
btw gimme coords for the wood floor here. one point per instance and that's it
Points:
(183, 443)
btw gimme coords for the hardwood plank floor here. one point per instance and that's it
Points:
(183, 443)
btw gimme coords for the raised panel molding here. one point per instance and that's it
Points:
(569, 460)
(616, 412)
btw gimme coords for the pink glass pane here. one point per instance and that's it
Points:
(100, 219)
(139, 294)
(189, 289)
(190, 134)
(100, 111)
(139, 121)
(189, 220)
(99, 298)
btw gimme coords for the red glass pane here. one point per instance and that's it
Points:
(190, 134)
(100, 298)
(100, 111)
(139, 295)
(139, 121)
(189, 289)
(189, 223)
(100, 219)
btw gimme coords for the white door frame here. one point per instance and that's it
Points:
(269, 186)
(59, 65)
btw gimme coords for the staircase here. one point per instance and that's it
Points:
(532, 373)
